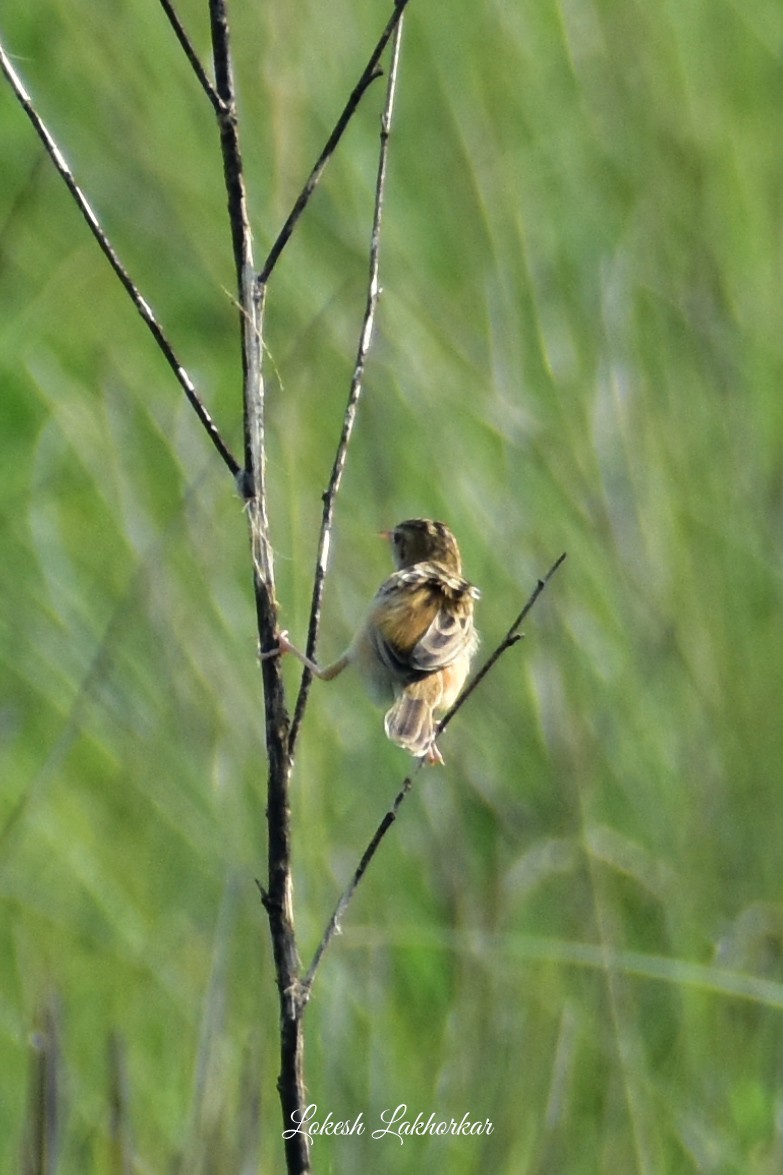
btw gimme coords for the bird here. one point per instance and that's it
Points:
(414, 647)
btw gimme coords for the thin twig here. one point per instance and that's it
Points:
(370, 73)
(333, 926)
(512, 636)
(354, 395)
(192, 55)
(143, 307)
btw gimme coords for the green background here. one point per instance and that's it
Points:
(575, 929)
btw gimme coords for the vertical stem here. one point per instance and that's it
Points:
(278, 898)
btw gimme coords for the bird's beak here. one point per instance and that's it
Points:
(385, 534)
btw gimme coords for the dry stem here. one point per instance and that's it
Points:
(94, 225)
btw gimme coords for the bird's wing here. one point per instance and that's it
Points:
(423, 621)
(449, 635)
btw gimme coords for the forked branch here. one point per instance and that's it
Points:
(192, 55)
(369, 74)
(294, 988)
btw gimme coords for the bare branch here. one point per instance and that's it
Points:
(512, 636)
(371, 72)
(192, 55)
(250, 301)
(333, 926)
(278, 896)
(354, 395)
(143, 307)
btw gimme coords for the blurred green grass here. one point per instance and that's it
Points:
(576, 930)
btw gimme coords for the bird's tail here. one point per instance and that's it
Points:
(409, 723)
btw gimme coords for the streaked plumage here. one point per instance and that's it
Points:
(414, 649)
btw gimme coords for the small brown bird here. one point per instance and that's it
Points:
(415, 646)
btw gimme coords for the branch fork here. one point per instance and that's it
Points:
(294, 985)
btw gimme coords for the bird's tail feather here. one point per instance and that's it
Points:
(409, 724)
